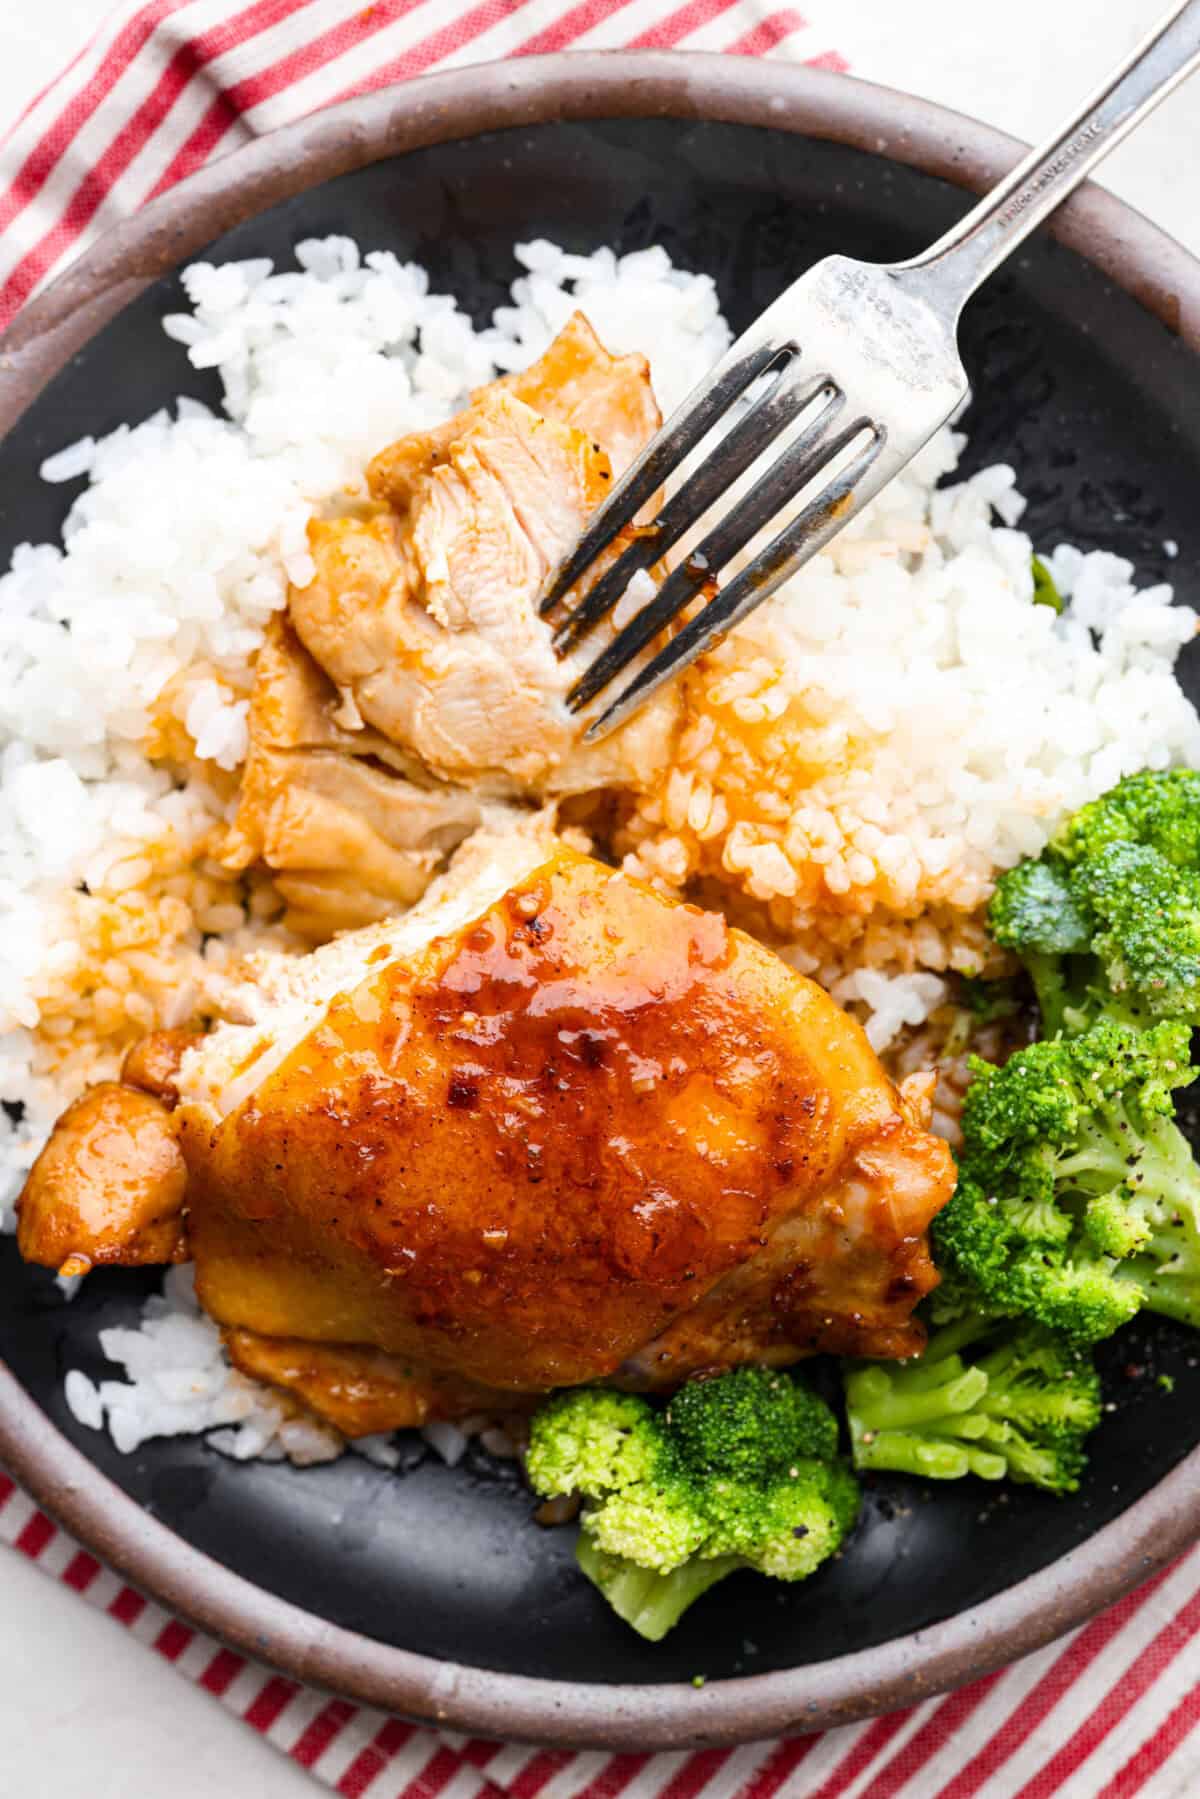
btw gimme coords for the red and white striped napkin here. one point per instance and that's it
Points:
(1106, 1713)
(163, 87)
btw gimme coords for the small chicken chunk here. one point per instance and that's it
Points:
(578, 383)
(425, 610)
(109, 1186)
(153, 1063)
(351, 825)
(575, 382)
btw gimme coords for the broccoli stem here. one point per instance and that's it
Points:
(933, 1457)
(916, 1399)
(1022, 1409)
(1105, 1153)
(949, 1338)
(1049, 987)
(914, 1420)
(1167, 1168)
(1066, 1003)
(651, 1603)
(1168, 1290)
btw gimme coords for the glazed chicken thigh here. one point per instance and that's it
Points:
(545, 1128)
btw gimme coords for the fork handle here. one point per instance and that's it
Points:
(948, 273)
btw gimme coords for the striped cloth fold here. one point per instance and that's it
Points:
(1108, 1712)
(163, 87)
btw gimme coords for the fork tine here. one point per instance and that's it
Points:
(805, 456)
(685, 428)
(824, 515)
(786, 399)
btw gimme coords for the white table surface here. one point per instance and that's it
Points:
(86, 1708)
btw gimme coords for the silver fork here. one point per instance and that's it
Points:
(852, 369)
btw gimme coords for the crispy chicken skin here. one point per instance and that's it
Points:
(839, 1277)
(423, 608)
(358, 1391)
(550, 1128)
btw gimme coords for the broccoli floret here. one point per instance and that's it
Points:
(1035, 913)
(610, 1442)
(1147, 929)
(1019, 1403)
(955, 1297)
(1117, 936)
(1078, 1201)
(750, 1423)
(1107, 919)
(1159, 808)
(738, 1471)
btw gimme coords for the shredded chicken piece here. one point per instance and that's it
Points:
(413, 679)
(425, 608)
(351, 825)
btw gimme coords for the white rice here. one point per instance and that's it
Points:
(179, 1383)
(985, 719)
(900, 721)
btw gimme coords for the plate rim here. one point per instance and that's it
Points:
(1139, 258)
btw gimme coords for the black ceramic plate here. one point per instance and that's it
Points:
(1098, 408)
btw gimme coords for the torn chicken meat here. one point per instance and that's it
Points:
(352, 826)
(424, 606)
(413, 677)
